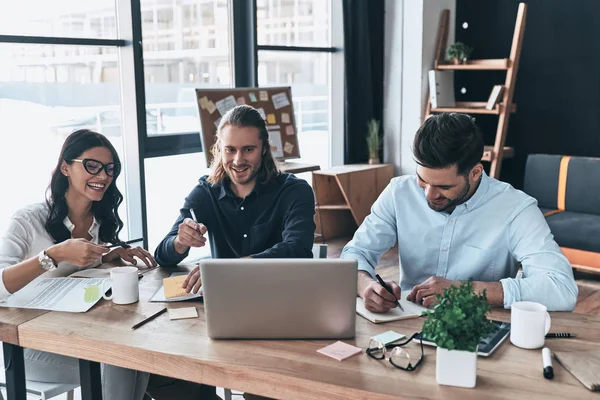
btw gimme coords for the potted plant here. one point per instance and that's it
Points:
(373, 141)
(458, 52)
(457, 325)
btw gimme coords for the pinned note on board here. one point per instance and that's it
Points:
(271, 120)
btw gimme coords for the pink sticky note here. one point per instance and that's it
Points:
(340, 350)
(289, 130)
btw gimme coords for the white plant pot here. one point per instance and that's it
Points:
(456, 368)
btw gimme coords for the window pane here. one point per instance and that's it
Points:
(186, 46)
(66, 18)
(47, 92)
(168, 182)
(308, 75)
(293, 22)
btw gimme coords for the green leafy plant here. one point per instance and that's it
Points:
(458, 320)
(373, 139)
(459, 51)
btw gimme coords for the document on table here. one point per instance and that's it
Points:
(411, 310)
(159, 296)
(58, 294)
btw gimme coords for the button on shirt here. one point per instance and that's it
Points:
(26, 237)
(275, 220)
(484, 238)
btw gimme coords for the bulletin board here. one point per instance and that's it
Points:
(273, 103)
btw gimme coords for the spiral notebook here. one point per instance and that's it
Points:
(583, 365)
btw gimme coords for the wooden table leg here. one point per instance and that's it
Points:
(89, 376)
(14, 367)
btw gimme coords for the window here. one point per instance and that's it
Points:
(61, 18)
(186, 46)
(295, 49)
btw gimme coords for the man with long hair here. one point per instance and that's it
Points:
(248, 208)
(452, 222)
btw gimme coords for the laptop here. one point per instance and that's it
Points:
(279, 298)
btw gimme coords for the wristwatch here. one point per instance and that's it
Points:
(46, 262)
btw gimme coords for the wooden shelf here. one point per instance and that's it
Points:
(474, 107)
(478, 65)
(333, 207)
(488, 151)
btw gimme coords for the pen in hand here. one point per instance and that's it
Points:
(386, 287)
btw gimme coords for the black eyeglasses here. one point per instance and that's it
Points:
(398, 354)
(94, 167)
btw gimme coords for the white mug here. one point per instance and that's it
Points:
(125, 285)
(529, 324)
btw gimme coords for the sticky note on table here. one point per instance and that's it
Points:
(172, 286)
(340, 350)
(183, 313)
(285, 118)
(271, 119)
(388, 337)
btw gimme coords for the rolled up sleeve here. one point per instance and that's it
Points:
(548, 274)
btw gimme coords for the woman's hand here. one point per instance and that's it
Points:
(129, 254)
(78, 252)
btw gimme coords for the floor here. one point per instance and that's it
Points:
(588, 301)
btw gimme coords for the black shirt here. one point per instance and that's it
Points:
(275, 220)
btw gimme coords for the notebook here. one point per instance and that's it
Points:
(583, 365)
(159, 296)
(411, 310)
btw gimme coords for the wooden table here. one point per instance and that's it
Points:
(293, 369)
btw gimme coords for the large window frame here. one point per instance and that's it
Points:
(140, 146)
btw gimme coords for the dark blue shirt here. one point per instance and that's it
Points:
(275, 220)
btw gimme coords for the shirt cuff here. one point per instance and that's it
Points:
(511, 291)
(363, 265)
(4, 293)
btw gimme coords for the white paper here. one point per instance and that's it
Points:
(226, 104)
(411, 310)
(58, 294)
(280, 100)
(276, 146)
(261, 111)
(159, 296)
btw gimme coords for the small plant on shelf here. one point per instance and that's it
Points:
(458, 52)
(373, 141)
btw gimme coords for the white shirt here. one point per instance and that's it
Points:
(26, 237)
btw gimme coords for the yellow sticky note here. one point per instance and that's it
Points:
(183, 313)
(271, 119)
(172, 286)
(204, 102)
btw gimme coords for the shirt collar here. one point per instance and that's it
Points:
(93, 228)
(225, 191)
(482, 189)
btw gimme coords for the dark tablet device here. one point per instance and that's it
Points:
(489, 344)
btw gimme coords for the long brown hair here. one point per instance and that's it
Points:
(105, 210)
(244, 117)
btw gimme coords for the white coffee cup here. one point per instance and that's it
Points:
(125, 285)
(529, 324)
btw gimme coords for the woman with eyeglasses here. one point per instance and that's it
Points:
(69, 232)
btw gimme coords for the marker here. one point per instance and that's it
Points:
(386, 287)
(560, 335)
(547, 362)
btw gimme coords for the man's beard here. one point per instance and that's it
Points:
(252, 172)
(451, 203)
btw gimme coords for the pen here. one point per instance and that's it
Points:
(150, 318)
(386, 287)
(560, 335)
(193, 215)
(547, 363)
(118, 243)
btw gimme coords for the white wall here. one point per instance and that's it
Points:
(410, 39)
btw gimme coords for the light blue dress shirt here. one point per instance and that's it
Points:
(484, 238)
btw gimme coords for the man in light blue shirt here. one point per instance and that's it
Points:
(452, 222)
